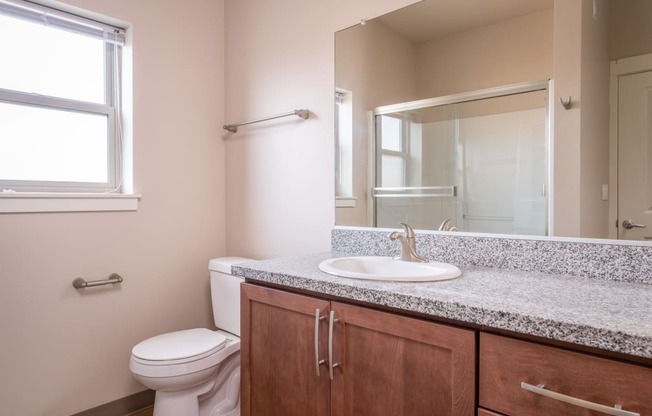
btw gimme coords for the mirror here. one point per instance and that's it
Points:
(448, 48)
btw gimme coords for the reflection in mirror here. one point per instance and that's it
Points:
(443, 48)
(476, 165)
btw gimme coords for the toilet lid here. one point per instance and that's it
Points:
(180, 345)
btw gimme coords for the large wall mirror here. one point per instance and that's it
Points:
(521, 117)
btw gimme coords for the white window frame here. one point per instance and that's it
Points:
(38, 196)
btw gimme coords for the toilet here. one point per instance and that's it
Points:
(196, 372)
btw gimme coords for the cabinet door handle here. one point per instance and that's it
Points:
(540, 390)
(331, 364)
(318, 362)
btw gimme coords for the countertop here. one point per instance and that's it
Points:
(608, 315)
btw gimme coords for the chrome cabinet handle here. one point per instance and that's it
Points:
(318, 362)
(628, 224)
(540, 390)
(331, 364)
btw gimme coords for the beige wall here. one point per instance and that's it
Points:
(594, 120)
(509, 52)
(630, 28)
(581, 134)
(566, 123)
(280, 180)
(64, 351)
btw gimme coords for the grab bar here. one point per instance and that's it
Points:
(233, 128)
(80, 283)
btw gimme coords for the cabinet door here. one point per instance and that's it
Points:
(389, 365)
(279, 370)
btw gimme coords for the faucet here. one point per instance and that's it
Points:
(408, 244)
(447, 225)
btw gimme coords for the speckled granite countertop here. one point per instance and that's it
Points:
(609, 315)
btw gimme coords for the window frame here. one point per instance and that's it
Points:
(110, 109)
(403, 153)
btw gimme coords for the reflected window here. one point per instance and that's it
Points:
(344, 143)
(392, 142)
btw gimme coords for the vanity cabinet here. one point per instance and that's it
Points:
(527, 379)
(306, 356)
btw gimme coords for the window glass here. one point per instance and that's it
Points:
(63, 146)
(391, 133)
(59, 118)
(393, 173)
(50, 61)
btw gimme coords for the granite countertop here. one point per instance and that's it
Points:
(609, 315)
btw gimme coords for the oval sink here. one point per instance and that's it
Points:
(388, 269)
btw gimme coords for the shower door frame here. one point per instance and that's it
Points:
(494, 92)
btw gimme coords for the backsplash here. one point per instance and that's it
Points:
(630, 263)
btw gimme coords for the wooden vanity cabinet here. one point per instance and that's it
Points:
(385, 364)
(277, 354)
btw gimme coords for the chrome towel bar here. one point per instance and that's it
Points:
(233, 128)
(80, 283)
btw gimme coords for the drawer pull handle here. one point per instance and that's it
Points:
(331, 364)
(318, 362)
(540, 389)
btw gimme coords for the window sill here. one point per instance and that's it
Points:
(345, 201)
(25, 202)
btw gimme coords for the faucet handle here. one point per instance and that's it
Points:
(409, 232)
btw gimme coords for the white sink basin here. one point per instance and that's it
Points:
(388, 269)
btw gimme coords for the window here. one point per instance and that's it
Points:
(343, 143)
(392, 152)
(59, 101)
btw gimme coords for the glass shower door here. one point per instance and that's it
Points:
(416, 168)
(480, 165)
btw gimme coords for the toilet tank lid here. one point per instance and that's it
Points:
(223, 264)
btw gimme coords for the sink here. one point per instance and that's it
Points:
(388, 269)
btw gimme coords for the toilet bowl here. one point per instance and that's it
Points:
(196, 372)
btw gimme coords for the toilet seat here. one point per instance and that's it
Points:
(177, 352)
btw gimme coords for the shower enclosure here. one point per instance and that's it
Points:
(475, 162)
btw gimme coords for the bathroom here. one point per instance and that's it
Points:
(196, 66)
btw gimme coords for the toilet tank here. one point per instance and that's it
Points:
(225, 293)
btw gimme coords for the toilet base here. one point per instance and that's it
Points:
(219, 396)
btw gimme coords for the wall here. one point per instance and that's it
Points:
(63, 350)
(280, 181)
(594, 122)
(566, 123)
(581, 134)
(509, 52)
(630, 29)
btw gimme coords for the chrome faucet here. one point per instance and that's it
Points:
(408, 244)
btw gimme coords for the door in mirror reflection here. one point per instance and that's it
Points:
(635, 156)
(476, 166)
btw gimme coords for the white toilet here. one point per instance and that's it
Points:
(196, 372)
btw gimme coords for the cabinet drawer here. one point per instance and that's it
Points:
(506, 364)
